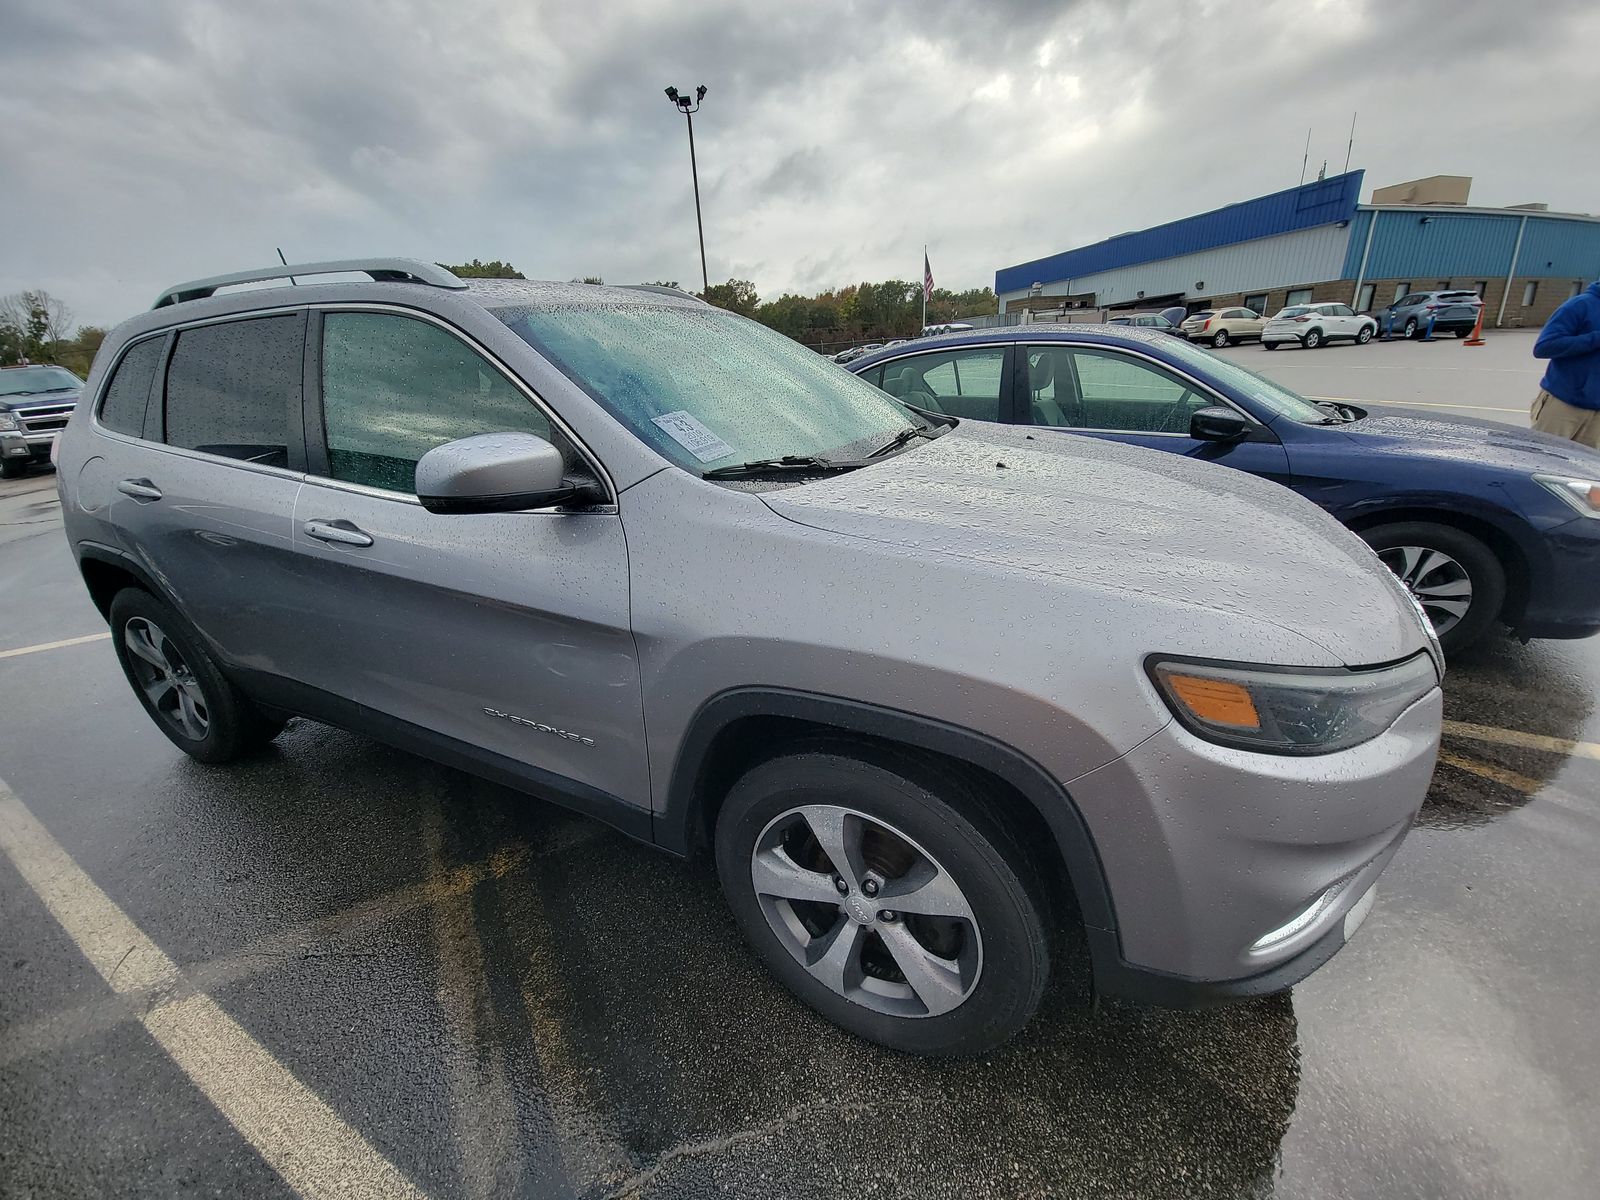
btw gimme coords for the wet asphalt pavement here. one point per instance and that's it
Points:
(500, 998)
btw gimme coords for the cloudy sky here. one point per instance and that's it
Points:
(147, 141)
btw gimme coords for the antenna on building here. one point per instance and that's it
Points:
(1306, 157)
(1351, 144)
(1323, 173)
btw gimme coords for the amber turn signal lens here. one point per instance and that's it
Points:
(1216, 701)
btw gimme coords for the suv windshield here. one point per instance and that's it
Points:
(710, 389)
(1275, 396)
(19, 381)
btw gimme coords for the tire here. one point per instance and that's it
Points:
(13, 468)
(1410, 328)
(1313, 339)
(898, 814)
(1220, 338)
(1463, 333)
(181, 688)
(1484, 575)
(1364, 335)
(1269, 345)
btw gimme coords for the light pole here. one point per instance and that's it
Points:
(688, 108)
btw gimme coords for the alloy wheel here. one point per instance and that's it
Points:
(1440, 584)
(867, 911)
(166, 679)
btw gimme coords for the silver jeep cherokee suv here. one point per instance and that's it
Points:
(929, 690)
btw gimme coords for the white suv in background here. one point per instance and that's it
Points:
(1222, 326)
(1314, 325)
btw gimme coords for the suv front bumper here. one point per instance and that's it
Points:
(1232, 873)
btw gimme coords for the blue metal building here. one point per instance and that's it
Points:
(1318, 242)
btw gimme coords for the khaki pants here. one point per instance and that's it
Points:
(1551, 415)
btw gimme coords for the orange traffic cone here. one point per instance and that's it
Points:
(1477, 331)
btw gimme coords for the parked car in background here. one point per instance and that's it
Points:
(1174, 315)
(1314, 325)
(1452, 312)
(1482, 522)
(35, 402)
(529, 485)
(1143, 321)
(1222, 326)
(855, 352)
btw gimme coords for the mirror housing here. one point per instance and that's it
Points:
(493, 472)
(1218, 424)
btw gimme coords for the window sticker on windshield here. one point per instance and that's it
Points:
(694, 437)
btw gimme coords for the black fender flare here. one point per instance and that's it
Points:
(678, 823)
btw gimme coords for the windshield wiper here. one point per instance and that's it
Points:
(805, 463)
(900, 439)
(20, 393)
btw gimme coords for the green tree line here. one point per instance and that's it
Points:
(36, 327)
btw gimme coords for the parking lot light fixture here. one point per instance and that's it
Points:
(688, 106)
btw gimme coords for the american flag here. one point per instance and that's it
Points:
(927, 278)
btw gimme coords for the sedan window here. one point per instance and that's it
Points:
(1080, 388)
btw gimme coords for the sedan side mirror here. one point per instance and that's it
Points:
(493, 472)
(1218, 424)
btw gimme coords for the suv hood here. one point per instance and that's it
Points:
(1128, 522)
(15, 403)
(1488, 443)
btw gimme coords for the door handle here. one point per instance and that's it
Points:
(341, 532)
(139, 489)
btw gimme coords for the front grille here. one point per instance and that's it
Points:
(47, 418)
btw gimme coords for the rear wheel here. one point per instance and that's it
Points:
(180, 686)
(897, 907)
(1220, 338)
(1455, 577)
(1269, 345)
(1313, 339)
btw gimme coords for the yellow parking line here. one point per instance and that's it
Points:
(77, 641)
(304, 1140)
(1525, 741)
(1494, 774)
(1418, 404)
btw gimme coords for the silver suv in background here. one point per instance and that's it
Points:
(927, 690)
(1451, 312)
(36, 399)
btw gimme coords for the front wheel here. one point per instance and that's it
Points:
(1455, 577)
(1364, 336)
(1313, 339)
(181, 688)
(892, 903)
(1220, 338)
(13, 468)
(1411, 327)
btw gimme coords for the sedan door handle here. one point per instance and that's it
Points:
(342, 532)
(139, 489)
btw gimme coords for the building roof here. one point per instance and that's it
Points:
(1321, 202)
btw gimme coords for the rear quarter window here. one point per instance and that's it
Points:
(128, 394)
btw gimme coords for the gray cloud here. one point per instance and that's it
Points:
(144, 142)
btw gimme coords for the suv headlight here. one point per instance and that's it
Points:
(8, 420)
(1288, 710)
(1582, 494)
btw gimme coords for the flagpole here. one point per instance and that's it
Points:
(924, 286)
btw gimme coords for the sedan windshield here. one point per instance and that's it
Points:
(708, 389)
(1277, 398)
(18, 381)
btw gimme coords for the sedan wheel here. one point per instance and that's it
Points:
(1457, 580)
(1440, 584)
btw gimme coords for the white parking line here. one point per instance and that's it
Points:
(304, 1140)
(64, 642)
(1525, 741)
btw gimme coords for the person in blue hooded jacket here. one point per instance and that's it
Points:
(1568, 404)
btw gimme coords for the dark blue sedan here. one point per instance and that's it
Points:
(1482, 522)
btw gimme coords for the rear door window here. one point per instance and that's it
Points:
(233, 387)
(123, 409)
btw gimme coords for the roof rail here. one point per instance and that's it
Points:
(663, 290)
(382, 270)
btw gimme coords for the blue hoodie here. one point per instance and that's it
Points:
(1571, 341)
